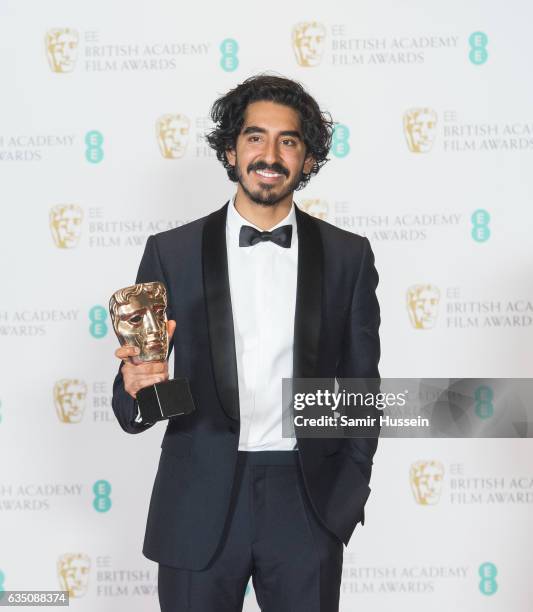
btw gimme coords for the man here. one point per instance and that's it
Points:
(258, 291)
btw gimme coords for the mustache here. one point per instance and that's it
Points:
(261, 165)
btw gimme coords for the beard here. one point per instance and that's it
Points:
(265, 194)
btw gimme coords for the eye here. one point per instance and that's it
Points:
(254, 138)
(135, 320)
(289, 142)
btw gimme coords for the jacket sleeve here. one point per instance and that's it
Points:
(360, 356)
(125, 406)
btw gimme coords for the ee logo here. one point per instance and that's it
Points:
(94, 153)
(480, 225)
(102, 501)
(478, 53)
(98, 326)
(229, 60)
(484, 407)
(488, 573)
(340, 147)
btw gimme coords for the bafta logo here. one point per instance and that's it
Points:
(172, 133)
(315, 207)
(308, 43)
(65, 225)
(419, 126)
(139, 319)
(69, 399)
(423, 305)
(73, 573)
(61, 49)
(426, 481)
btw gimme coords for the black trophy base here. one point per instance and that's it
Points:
(164, 400)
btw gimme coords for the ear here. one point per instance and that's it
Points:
(308, 164)
(230, 156)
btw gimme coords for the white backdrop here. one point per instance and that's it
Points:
(434, 102)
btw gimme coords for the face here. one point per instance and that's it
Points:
(70, 400)
(423, 303)
(309, 43)
(427, 482)
(74, 574)
(425, 307)
(173, 131)
(140, 320)
(420, 126)
(270, 154)
(65, 222)
(62, 46)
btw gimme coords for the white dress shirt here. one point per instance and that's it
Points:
(262, 281)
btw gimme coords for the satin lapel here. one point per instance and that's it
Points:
(219, 312)
(308, 315)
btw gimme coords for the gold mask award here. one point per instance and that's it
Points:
(139, 319)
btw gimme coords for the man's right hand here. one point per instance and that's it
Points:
(138, 374)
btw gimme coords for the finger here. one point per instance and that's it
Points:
(126, 351)
(171, 328)
(159, 368)
(146, 367)
(136, 383)
(147, 381)
(152, 367)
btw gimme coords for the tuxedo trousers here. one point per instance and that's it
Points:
(273, 536)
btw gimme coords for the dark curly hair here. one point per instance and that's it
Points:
(228, 111)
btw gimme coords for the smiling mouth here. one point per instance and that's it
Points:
(268, 174)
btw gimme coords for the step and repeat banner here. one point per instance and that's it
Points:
(104, 110)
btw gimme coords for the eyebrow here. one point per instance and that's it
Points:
(256, 129)
(133, 313)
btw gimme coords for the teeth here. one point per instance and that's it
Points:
(266, 173)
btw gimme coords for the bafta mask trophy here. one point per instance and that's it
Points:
(139, 319)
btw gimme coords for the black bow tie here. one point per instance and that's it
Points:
(281, 235)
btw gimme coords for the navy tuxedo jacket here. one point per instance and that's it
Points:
(335, 336)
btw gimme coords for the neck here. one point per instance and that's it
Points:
(262, 216)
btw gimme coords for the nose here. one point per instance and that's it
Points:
(271, 151)
(150, 322)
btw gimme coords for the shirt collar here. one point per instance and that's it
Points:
(235, 220)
